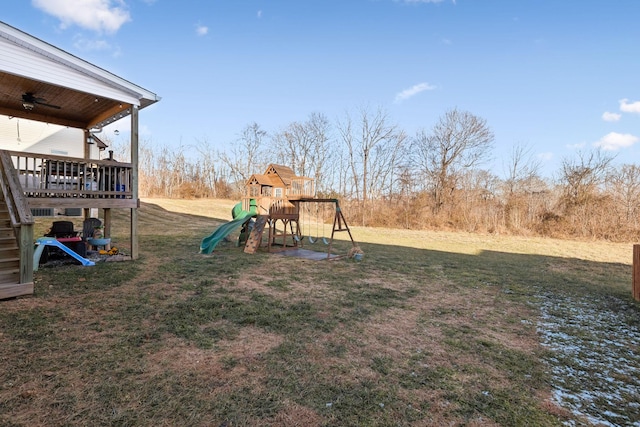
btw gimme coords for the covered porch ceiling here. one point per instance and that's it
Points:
(41, 82)
(77, 109)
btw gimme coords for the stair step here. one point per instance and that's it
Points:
(11, 290)
(9, 253)
(10, 259)
(9, 276)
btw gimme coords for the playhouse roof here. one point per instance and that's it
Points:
(285, 173)
(260, 179)
(274, 176)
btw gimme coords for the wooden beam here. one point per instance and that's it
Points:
(134, 181)
(15, 290)
(30, 115)
(85, 146)
(79, 202)
(26, 255)
(636, 273)
(121, 108)
(107, 222)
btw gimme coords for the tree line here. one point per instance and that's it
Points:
(434, 179)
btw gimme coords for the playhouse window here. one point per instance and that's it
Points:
(278, 192)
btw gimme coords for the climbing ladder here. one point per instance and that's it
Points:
(255, 238)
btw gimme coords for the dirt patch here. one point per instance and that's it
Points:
(249, 345)
(295, 415)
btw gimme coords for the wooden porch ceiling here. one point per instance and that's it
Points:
(77, 109)
(63, 89)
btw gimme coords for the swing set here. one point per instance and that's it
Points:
(287, 207)
(312, 212)
(310, 215)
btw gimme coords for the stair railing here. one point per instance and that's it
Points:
(20, 214)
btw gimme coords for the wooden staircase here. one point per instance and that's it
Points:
(16, 233)
(10, 285)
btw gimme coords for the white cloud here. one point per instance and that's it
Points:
(82, 43)
(97, 15)
(259, 14)
(614, 141)
(633, 107)
(611, 117)
(577, 146)
(546, 156)
(97, 45)
(202, 30)
(416, 89)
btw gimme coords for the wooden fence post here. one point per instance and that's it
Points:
(636, 272)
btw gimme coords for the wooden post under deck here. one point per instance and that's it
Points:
(636, 272)
(107, 222)
(134, 182)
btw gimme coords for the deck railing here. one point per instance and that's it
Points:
(301, 187)
(55, 176)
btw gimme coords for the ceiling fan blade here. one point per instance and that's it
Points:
(44, 104)
(30, 98)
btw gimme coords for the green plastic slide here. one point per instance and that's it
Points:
(240, 216)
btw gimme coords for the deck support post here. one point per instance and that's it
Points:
(636, 272)
(134, 181)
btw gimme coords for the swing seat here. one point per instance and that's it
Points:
(298, 238)
(312, 240)
(325, 240)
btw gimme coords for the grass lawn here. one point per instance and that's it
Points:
(431, 328)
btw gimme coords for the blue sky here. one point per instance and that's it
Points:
(559, 76)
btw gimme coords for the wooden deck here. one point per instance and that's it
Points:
(50, 181)
(29, 180)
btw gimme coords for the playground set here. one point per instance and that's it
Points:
(283, 208)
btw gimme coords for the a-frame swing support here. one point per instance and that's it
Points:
(339, 222)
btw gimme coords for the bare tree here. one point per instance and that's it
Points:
(458, 141)
(476, 208)
(320, 129)
(581, 176)
(305, 147)
(521, 183)
(583, 204)
(246, 155)
(207, 169)
(623, 183)
(522, 170)
(373, 148)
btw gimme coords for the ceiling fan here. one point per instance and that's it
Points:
(29, 100)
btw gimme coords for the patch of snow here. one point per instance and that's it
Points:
(595, 357)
